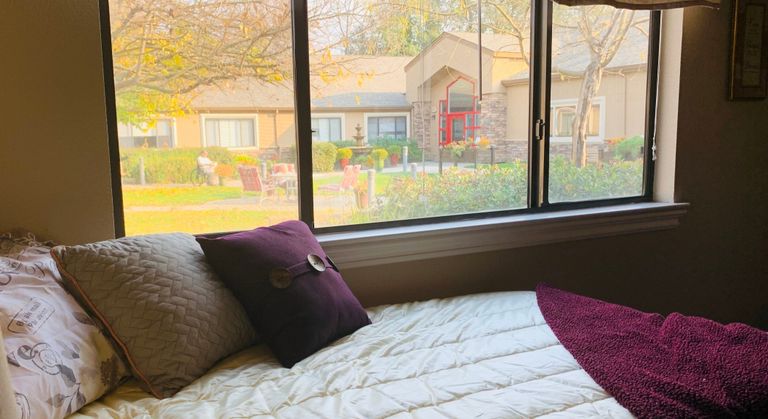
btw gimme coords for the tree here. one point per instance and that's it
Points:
(603, 34)
(163, 50)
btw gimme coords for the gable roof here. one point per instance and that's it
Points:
(494, 44)
(572, 56)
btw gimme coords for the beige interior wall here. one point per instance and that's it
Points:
(54, 162)
(714, 264)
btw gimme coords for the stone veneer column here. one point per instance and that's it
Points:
(493, 116)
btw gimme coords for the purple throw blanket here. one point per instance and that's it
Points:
(657, 367)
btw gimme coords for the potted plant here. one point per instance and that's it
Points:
(224, 171)
(394, 154)
(378, 155)
(343, 155)
(457, 149)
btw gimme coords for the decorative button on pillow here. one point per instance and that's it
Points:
(164, 306)
(293, 293)
(58, 359)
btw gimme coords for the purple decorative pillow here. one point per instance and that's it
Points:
(291, 290)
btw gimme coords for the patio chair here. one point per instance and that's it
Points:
(252, 182)
(348, 180)
(284, 177)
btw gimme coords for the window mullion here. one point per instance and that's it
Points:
(540, 69)
(303, 116)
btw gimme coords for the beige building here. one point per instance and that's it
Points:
(434, 97)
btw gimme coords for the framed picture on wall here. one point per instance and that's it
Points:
(749, 52)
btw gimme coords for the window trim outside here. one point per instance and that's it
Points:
(174, 134)
(540, 73)
(328, 115)
(598, 101)
(367, 115)
(229, 117)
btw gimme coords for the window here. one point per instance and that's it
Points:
(326, 129)
(459, 112)
(136, 136)
(397, 114)
(240, 132)
(387, 127)
(562, 117)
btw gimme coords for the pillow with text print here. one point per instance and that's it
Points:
(58, 359)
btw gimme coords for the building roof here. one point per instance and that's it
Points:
(363, 100)
(349, 81)
(494, 44)
(571, 56)
(492, 41)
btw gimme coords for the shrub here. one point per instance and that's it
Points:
(570, 183)
(415, 153)
(379, 154)
(394, 150)
(246, 160)
(170, 166)
(361, 160)
(501, 187)
(455, 192)
(323, 156)
(345, 143)
(629, 148)
(344, 153)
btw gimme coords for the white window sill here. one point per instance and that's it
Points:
(400, 244)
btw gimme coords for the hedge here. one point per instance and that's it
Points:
(502, 187)
(170, 166)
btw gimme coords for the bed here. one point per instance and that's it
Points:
(485, 355)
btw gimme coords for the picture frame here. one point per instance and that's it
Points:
(749, 50)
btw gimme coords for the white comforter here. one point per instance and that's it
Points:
(487, 355)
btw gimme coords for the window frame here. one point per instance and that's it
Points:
(598, 101)
(407, 116)
(539, 111)
(340, 116)
(172, 131)
(212, 116)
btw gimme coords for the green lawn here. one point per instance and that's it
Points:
(209, 221)
(159, 195)
(382, 180)
(147, 196)
(148, 220)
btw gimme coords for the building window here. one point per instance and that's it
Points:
(326, 129)
(563, 116)
(158, 135)
(235, 132)
(459, 112)
(393, 127)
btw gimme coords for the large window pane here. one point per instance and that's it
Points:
(600, 64)
(406, 74)
(205, 109)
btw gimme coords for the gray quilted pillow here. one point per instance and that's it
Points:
(161, 302)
